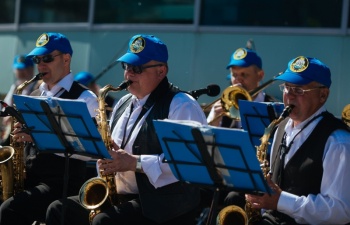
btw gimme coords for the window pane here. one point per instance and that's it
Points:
(54, 11)
(7, 11)
(144, 11)
(278, 13)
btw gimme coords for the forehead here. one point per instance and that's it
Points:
(238, 69)
(299, 85)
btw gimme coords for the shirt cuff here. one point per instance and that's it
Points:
(286, 203)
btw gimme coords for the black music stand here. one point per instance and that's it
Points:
(256, 116)
(61, 126)
(213, 157)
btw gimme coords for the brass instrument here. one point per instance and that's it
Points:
(251, 216)
(231, 95)
(95, 191)
(12, 157)
(346, 115)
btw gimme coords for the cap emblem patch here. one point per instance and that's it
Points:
(240, 53)
(299, 64)
(42, 40)
(137, 45)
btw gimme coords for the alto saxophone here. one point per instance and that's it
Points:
(251, 216)
(12, 157)
(95, 191)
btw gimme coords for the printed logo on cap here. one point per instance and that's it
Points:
(42, 40)
(137, 45)
(240, 53)
(299, 64)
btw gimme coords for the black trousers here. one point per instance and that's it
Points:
(26, 207)
(127, 213)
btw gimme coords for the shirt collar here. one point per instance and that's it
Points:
(65, 83)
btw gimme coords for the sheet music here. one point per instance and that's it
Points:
(229, 149)
(74, 123)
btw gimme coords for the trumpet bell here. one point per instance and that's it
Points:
(230, 98)
(346, 115)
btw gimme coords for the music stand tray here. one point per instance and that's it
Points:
(61, 126)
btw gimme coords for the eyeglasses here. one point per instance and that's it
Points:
(45, 58)
(137, 69)
(296, 90)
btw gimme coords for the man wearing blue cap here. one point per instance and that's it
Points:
(148, 192)
(23, 69)
(45, 171)
(245, 70)
(310, 157)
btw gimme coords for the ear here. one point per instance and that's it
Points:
(162, 71)
(66, 57)
(324, 93)
(261, 74)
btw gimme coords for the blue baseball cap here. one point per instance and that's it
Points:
(144, 48)
(84, 78)
(22, 62)
(244, 57)
(303, 70)
(49, 42)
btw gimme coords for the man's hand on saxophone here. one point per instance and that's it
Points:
(19, 134)
(121, 161)
(266, 201)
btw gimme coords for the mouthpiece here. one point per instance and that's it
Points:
(39, 76)
(287, 111)
(125, 84)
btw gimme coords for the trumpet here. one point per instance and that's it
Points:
(230, 97)
(346, 115)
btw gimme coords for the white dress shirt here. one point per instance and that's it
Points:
(65, 84)
(182, 107)
(332, 205)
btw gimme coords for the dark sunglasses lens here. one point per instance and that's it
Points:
(47, 58)
(36, 60)
(137, 69)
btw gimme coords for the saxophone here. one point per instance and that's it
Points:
(231, 214)
(95, 191)
(12, 157)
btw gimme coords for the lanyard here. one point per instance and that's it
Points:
(142, 113)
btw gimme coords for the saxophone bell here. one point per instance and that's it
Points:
(98, 192)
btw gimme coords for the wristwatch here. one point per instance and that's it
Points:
(139, 165)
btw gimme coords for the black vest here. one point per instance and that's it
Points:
(49, 168)
(170, 201)
(303, 173)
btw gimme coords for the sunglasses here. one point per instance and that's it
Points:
(45, 58)
(137, 69)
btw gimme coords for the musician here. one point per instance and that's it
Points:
(246, 70)
(45, 172)
(310, 156)
(148, 191)
(87, 79)
(23, 69)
